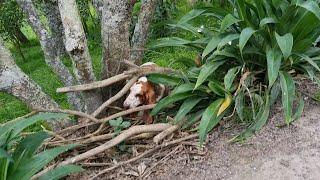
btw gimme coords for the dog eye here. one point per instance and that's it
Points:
(138, 95)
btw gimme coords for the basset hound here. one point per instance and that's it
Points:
(144, 92)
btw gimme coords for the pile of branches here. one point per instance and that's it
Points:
(95, 137)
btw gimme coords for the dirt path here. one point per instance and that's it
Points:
(275, 153)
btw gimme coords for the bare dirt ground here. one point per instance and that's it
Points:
(275, 153)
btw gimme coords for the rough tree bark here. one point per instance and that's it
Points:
(52, 13)
(13, 81)
(98, 5)
(115, 26)
(76, 46)
(51, 57)
(139, 38)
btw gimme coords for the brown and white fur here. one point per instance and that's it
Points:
(144, 92)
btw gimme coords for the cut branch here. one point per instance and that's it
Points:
(120, 77)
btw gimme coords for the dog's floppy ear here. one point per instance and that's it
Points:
(149, 94)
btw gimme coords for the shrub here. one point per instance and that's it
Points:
(247, 62)
(20, 157)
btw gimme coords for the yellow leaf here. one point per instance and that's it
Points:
(226, 103)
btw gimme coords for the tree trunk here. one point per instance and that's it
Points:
(115, 22)
(49, 49)
(139, 38)
(76, 46)
(51, 10)
(17, 83)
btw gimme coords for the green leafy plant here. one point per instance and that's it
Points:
(20, 157)
(119, 124)
(247, 62)
(11, 20)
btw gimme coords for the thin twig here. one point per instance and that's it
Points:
(146, 153)
(113, 142)
(104, 120)
(120, 77)
(126, 112)
(66, 111)
(121, 93)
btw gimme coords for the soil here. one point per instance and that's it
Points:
(291, 153)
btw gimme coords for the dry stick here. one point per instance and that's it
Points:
(126, 112)
(165, 133)
(164, 145)
(125, 75)
(84, 140)
(119, 114)
(94, 85)
(142, 136)
(122, 92)
(76, 113)
(113, 142)
(149, 171)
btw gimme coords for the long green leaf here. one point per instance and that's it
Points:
(274, 63)
(227, 40)
(192, 118)
(285, 43)
(209, 117)
(288, 94)
(186, 107)
(213, 43)
(168, 42)
(61, 172)
(311, 6)
(267, 20)
(207, 70)
(27, 147)
(299, 109)
(230, 76)
(239, 105)
(309, 60)
(245, 36)
(191, 15)
(227, 21)
(261, 120)
(164, 79)
(14, 127)
(169, 100)
(216, 88)
(27, 169)
(183, 88)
